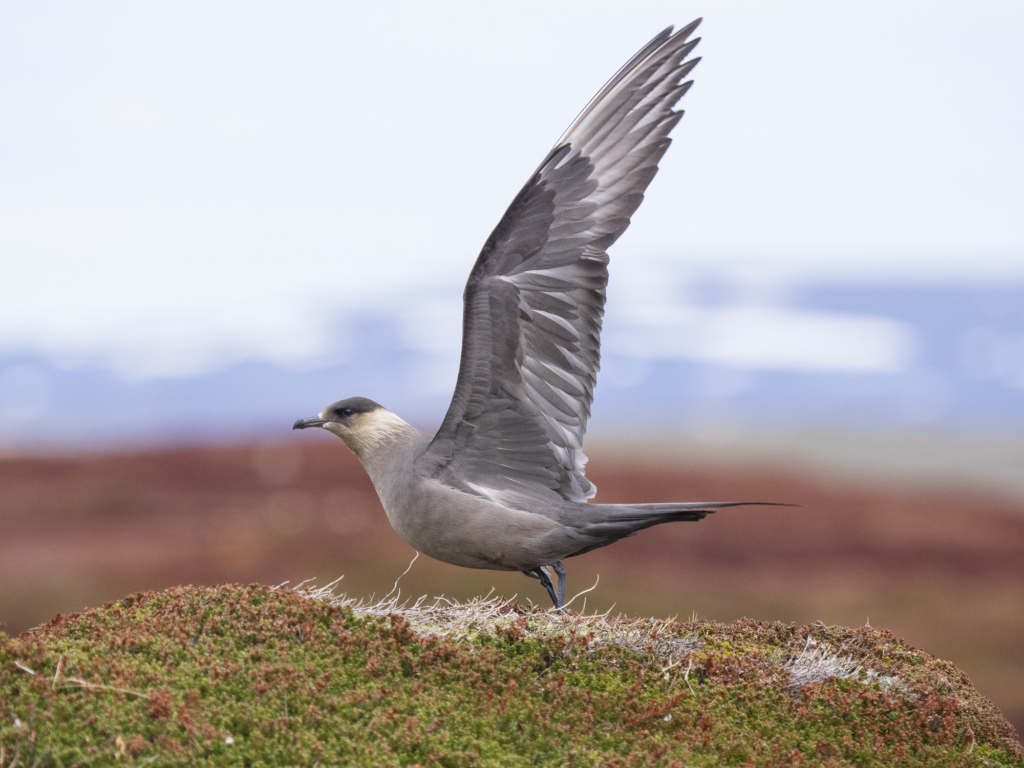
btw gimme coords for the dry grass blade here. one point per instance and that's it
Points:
(817, 663)
(449, 618)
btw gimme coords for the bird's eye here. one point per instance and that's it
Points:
(347, 412)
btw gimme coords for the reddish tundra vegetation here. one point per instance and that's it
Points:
(942, 568)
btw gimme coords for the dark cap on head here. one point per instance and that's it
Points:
(350, 407)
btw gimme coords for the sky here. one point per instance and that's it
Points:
(186, 185)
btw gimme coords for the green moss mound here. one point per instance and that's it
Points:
(255, 676)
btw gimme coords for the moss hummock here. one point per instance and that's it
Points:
(256, 676)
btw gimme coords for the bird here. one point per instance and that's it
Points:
(502, 483)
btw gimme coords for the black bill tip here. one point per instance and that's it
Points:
(307, 423)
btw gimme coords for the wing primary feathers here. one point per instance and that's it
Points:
(534, 301)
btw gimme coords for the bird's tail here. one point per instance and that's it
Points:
(615, 521)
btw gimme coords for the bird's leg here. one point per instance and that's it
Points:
(560, 571)
(545, 580)
(532, 574)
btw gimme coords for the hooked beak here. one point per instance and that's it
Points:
(307, 423)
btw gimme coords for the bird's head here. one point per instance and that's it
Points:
(361, 423)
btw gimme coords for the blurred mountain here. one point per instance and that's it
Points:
(706, 352)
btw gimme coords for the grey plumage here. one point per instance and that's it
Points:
(502, 485)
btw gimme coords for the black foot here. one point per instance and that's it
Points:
(558, 598)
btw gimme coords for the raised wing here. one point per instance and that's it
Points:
(535, 297)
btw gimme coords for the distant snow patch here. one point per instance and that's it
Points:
(767, 338)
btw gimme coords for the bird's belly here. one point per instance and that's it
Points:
(472, 532)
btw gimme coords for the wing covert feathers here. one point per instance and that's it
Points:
(535, 297)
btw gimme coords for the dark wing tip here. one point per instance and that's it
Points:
(686, 31)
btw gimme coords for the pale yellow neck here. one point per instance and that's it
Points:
(375, 433)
